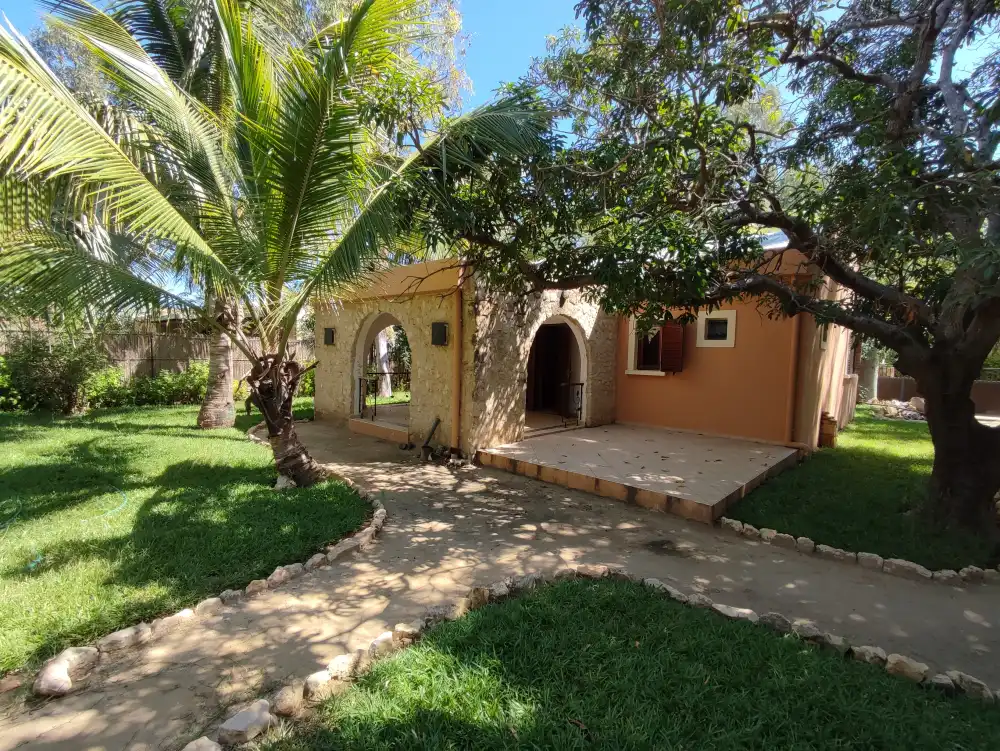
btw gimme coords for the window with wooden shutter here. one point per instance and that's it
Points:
(672, 347)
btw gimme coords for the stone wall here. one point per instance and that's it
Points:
(504, 331)
(340, 364)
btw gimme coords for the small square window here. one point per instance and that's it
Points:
(329, 336)
(716, 329)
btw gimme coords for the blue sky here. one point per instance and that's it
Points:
(504, 35)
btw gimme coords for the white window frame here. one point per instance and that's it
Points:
(630, 368)
(729, 341)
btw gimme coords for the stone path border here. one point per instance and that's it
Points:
(59, 674)
(894, 566)
(294, 698)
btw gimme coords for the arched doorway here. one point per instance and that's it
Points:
(556, 377)
(382, 369)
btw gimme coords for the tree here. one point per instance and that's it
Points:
(886, 182)
(281, 197)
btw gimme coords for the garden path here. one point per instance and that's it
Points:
(452, 528)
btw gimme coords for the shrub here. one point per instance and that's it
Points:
(241, 392)
(307, 386)
(166, 387)
(50, 371)
(8, 396)
(109, 388)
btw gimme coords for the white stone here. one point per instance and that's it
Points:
(676, 594)
(835, 554)
(807, 631)
(284, 482)
(246, 725)
(871, 655)
(905, 569)
(870, 560)
(776, 621)
(750, 531)
(340, 549)
(972, 574)
(381, 645)
(256, 587)
(203, 744)
(970, 686)
(345, 667)
(499, 590)
(406, 633)
(278, 577)
(991, 576)
(125, 638)
(732, 525)
(592, 571)
(947, 576)
(805, 545)
(767, 535)
(231, 596)
(316, 685)
(295, 570)
(211, 606)
(918, 403)
(288, 701)
(699, 600)
(838, 643)
(942, 683)
(906, 667)
(180, 618)
(316, 561)
(739, 614)
(57, 675)
(782, 540)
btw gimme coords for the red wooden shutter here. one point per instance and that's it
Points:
(672, 347)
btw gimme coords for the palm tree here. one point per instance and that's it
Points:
(281, 195)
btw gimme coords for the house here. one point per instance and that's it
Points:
(489, 372)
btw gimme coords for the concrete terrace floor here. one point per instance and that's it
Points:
(447, 530)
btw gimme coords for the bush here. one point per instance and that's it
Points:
(8, 396)
(108, 388)
(166, 387)
(50, 372)
(307, 386)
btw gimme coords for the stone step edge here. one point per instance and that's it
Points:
(872, 561)
(299, 695)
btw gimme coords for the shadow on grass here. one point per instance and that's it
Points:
(612, 665)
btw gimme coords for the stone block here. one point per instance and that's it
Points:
(592, 571)
(381, 645)
(316, 561)
(256, 587)
(942, 683)
(700, 601)
(835, 554)
(209, 606)
(295, 570)
(203, 744)
(768, 535)
(407, 633)
(346, 667)
(317, 685)
(125, 638)
(776, 622)
(971, 574)
(871, 655)
(278, 577)
(837, 643)
(870, 561)
(970, 686)
(750, 532)
(180, 618)
(231, 596)
(58, 674)
(905, 569)
(807, 631)
(737, 614)
(805, 545)
(782, 540)
(244, 726)
(906, 667)
(947, 576)
(731, 525)
(288, 701)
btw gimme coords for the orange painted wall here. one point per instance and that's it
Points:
(733, 391)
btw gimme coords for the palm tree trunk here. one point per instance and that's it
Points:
(218, 410)
(273, 384)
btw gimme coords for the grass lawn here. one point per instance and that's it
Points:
(122, 515)
(612, 665)
(864, 495)
(398, 397)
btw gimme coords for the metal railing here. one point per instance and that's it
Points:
(368, 390)
(572, 402)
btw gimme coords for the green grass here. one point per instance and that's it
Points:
(612, 665)
(122, 515)
(401, 396)
(865, 495)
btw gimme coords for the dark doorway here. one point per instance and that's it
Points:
(550, 366)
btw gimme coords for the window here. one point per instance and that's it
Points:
(717, 329)
(656, 352)
(647, 350)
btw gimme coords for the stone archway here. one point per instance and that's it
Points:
(556, 376)
(368, 398)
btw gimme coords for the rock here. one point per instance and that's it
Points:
(972, 574)
(906, 667)
(619, 572)
(10, 682)
(295, 570)
(211, 606)
(407, 633)
(203, 744)
(970, 686)
(231, 596)
(738, 614)
(499, 590)
(381, 645)
(246, 725)
(942, 683)
(905, 569)
(805, 545)
(256, 587)
(592, 571)
(700, 601)
(317, 685)
(776, 622)
(563, 573)
(653, 583)
(807, 631)
(918, 404)
(750, 532)
(947, 576)
(731, 525)
(870, 560)
(871, 655)
(478, 597)
(126, 638)
(676, 594)
(180, 618)
(342, 548)
(58, 674)
(838, 643)
(783, 541)
(316, 561)
(284, 482)
(991, 576)
(835, 554)
(278, 577)
(767, 535)
(345, 667)
(527, 582)
(288, 701)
